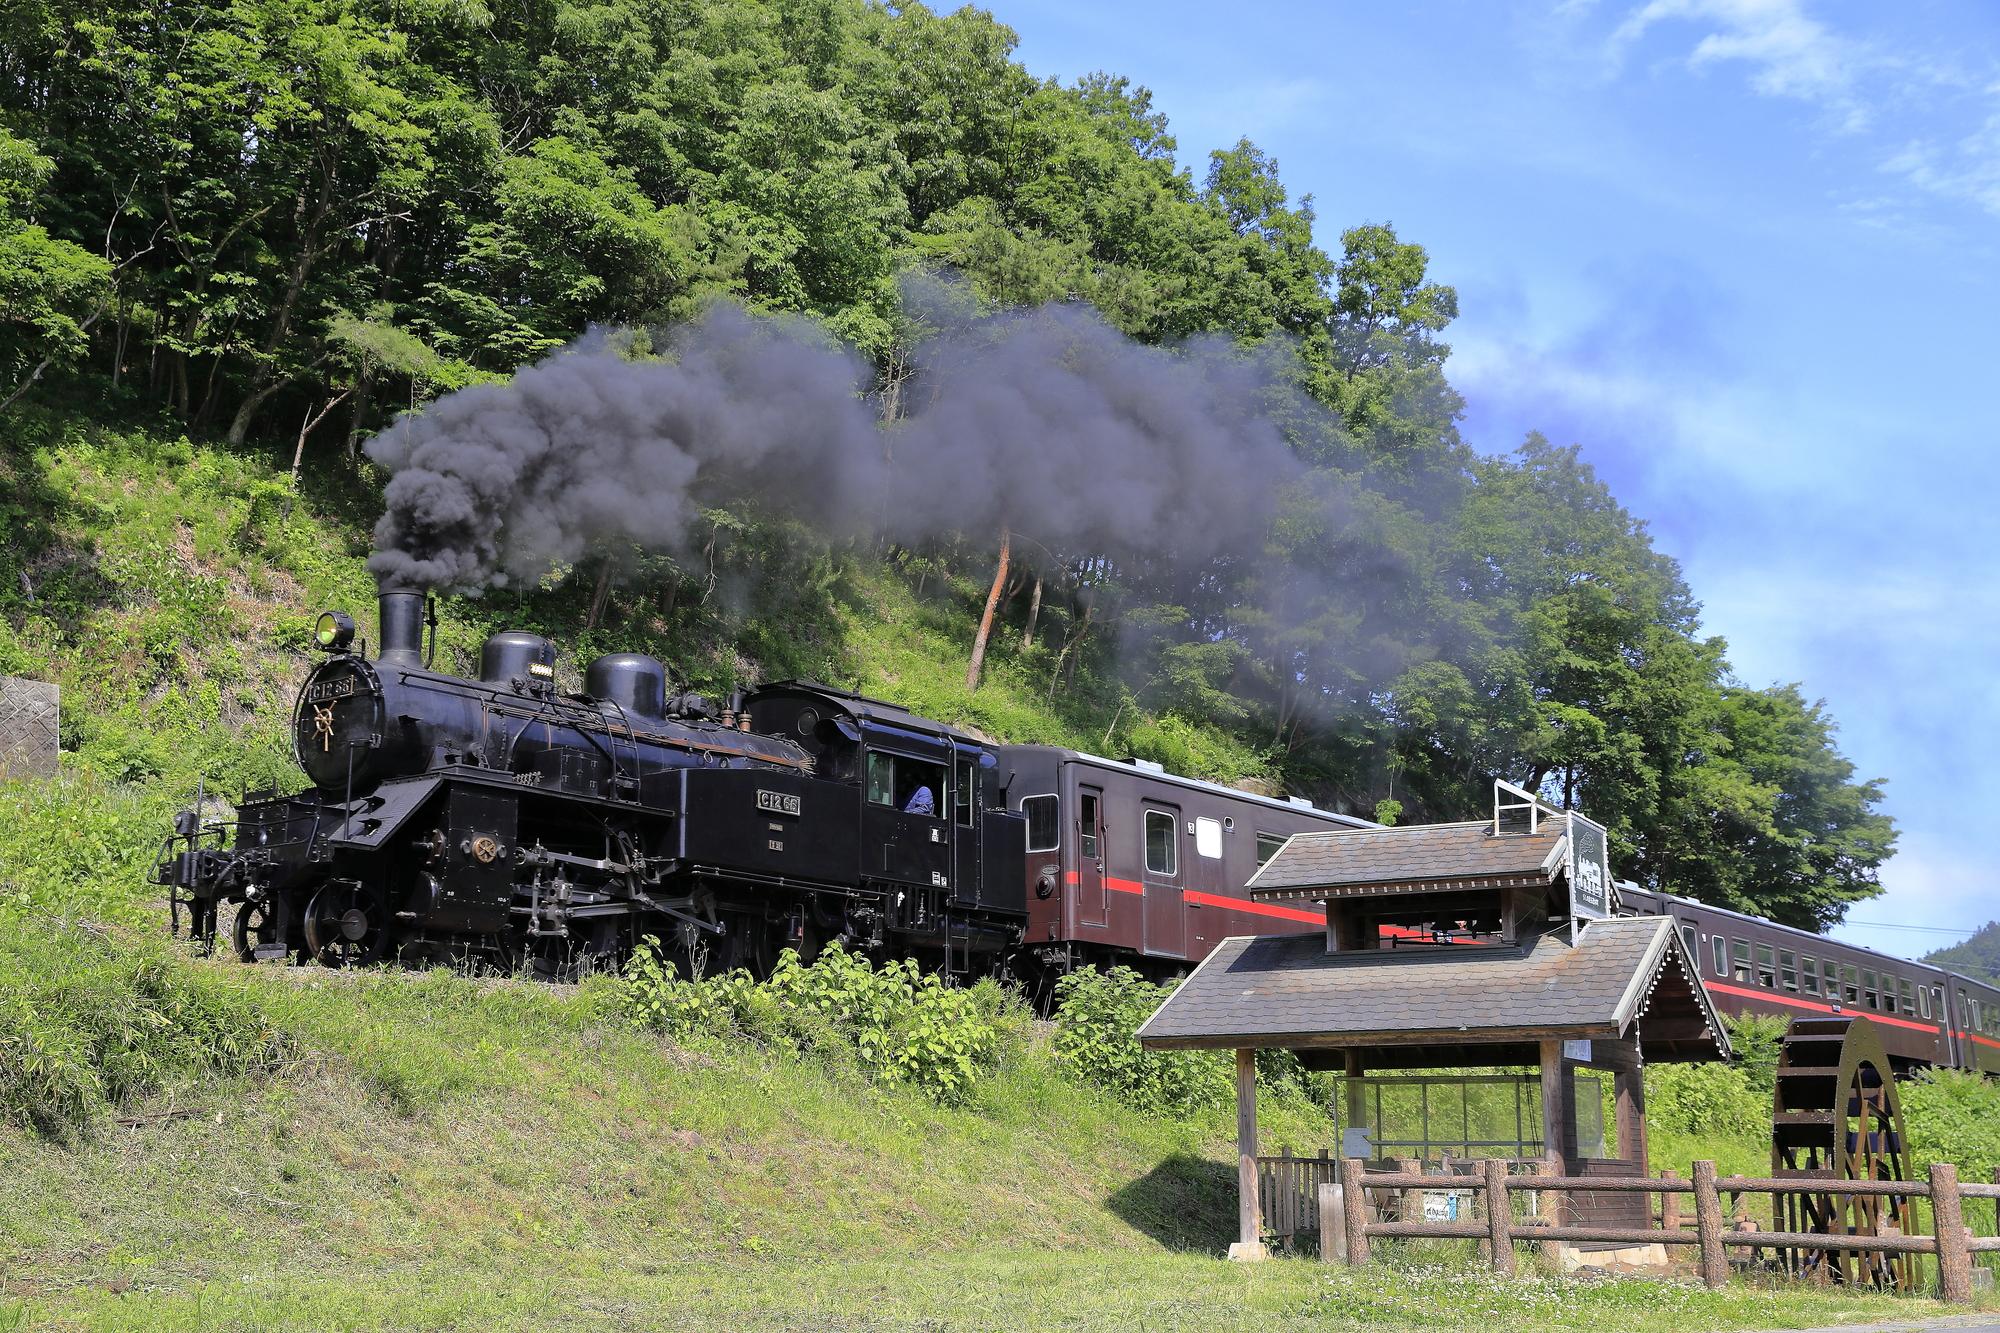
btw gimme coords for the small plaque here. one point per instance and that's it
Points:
(777, 802)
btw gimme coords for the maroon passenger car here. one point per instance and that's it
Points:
(1130, 864)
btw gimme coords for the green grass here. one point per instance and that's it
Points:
(438, 1151)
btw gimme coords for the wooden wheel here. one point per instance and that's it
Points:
(1836, 1116)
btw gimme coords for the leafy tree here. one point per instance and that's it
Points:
(51, 291)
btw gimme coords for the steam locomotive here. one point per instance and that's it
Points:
(503, 822)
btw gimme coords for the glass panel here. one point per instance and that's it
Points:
(1162, 850)
(961, 797)
(1721, 956)
(1687, 942)
(1044, 832)
(1850, 984)
(1868, 996)
(1739, 951)
(1088, 819)
(1267, 847)
(1208, 839)
(1909, 993)
(1788, 971)
(1767, 967)
(881, 779)
(1809, 972)
(1924, 1000)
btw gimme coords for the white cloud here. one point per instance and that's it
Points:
(1790, 53)
(1867, 85)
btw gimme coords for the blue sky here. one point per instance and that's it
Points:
(1747, 253)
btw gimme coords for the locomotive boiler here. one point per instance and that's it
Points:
(501, 820)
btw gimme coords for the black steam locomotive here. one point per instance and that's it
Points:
(501, 821)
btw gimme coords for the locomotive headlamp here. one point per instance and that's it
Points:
(542, 670)
(334, 631)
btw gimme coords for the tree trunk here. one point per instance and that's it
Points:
(602, 594)
(310, 424)
(986, 619)
(1034, 614)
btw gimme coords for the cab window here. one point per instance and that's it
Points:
(1044, 832)
(914, 786)
(1721, 956)
(961, 796)
(1162, 848)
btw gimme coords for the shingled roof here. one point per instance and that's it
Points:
(1286, 991)
(1350, 862)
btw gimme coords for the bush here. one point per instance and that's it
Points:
(1953, 1116)
(901, 1025)
(1098, 1015)
(89, 1024)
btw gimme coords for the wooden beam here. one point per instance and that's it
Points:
(1249, 1215)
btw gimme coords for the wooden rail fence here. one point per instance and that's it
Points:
(1341, 1189)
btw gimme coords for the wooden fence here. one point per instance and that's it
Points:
(1347, 1228)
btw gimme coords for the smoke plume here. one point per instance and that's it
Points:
(1050, 422)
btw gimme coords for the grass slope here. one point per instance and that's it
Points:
(445, 1152)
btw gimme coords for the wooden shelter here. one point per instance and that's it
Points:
(1448, 946)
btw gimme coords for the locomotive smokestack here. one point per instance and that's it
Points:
(401, 613)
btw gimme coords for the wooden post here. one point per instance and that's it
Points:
(1332, 1224)
(1948, 1219)
(1548, 1207)
(1355, 1197)
(1410, 1203)
(1499, 1216)
(1354, 1093)
(1670, 1204)
(1555, 1103)
(1708, 1226)
(1249, 1225)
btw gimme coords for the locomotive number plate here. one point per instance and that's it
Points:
(340, 687)
(777, 802)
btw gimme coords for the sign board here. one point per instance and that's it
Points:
(1446, 1206)
(1578, 1050)
(1357, 1141)
(1589, 870)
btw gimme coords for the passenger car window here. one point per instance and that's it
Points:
(1687, 941)
(1208, 839)
(1767, 967)
(1162, 850)
(1721, 956)
(1909, 998)
(1267, 847)
(1868, 996)
(1788, 971)
(1850, 984)
(1087, 819)
(1924, 1000)
(1739, 953)
(1044, 833)
(1809, 974)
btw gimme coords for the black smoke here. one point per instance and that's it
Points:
(1050, 422)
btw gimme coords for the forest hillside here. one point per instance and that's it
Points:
(240, 239)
